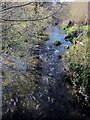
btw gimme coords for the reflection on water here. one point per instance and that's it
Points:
(56, 34)
(34, 87)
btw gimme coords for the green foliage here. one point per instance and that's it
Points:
(70, 33)
(77, 59)
(57, 42)
(73, 40)
(72, 48)
(73, 32)
(83, 27)
(88, 28)
(63, 27)
(79, 75)
(66, 47)
(69, 30)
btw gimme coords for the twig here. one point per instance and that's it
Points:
(25, 20)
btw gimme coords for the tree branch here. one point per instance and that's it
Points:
(5, 9)
(25, 20)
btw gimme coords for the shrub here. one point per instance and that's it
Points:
(77, 60)
(73, 40)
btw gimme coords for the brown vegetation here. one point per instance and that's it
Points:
(79, 12)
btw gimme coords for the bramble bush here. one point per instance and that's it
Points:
(77, 61)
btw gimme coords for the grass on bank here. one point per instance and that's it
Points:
(77, 60)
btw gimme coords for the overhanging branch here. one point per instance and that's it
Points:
(25, 20)
(17, 6)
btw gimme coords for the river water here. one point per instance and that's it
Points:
(52, 92)
(50, 98)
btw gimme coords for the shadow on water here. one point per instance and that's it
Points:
(50, 98)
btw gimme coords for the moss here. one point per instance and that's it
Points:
(57, 42)
(66, 47)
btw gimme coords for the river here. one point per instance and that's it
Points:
(50, 98)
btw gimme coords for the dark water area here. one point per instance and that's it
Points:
(50, 100)
(52, 92)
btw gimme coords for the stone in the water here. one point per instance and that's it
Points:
(69, 35)
(59, 56)
(66, 40)
(57, 42)
(66, 47)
